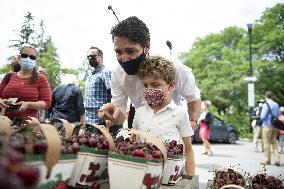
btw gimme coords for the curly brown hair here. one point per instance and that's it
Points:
(157, 67)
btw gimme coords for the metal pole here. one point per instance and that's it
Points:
(250, 84)
(249, 38)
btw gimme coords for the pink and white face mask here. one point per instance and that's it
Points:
(154, 96)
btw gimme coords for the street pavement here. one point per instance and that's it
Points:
(240, 155)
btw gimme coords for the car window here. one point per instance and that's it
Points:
(217, 122)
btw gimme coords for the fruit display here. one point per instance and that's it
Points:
(90, 168)
(175, 164)
(263, 181)
(228, 176)
(142, 160)
(14, 172)
(174, 149)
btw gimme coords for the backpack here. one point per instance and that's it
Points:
(275, 121)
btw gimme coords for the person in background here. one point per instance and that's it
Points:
(205, 120)
(269, 133)
(42, 114)
(15, 64)
(98, 88)
(281, 132)
(161, 117)
(256, 125)
(30, 88)
(67, 101)
(131, 39)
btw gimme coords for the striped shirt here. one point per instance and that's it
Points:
(22, 89)
(97, 93)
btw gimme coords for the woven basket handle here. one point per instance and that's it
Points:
(106, 133)
(5, 125)
(232, 186)
(53, 142)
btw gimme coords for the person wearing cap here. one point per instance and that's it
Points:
(281, 132)
(67, 101)
(131, 39)
(269, 132)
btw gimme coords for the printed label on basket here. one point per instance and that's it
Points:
(173, 171)
(89, 168)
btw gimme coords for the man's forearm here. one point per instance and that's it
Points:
(193, 112)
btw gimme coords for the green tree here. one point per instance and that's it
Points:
(268, 47)
(27, 34)
(50, 61)
(219, 66)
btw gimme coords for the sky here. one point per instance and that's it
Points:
(76, 25)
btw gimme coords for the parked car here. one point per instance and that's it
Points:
(219, 131)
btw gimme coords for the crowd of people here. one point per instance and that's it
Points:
(156, 87)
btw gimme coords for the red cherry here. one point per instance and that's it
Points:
(138, 153)
(156, 154)
(29, 174)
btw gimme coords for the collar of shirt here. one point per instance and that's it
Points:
(172, 105)
(98, 69)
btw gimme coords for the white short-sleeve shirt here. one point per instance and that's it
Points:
(124, 86)
(170, 123)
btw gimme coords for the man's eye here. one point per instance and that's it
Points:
(130, 52)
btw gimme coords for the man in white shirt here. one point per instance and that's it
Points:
(131, 39)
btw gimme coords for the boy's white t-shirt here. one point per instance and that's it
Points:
(170, 123)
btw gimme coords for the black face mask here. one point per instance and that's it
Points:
(93, 62)
(17, 67)
(131, 67)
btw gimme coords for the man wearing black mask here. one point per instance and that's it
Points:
(131, 39)
(98, 86)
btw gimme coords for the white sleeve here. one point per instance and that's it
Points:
(186, 86)
(118, 96)
(184, 126)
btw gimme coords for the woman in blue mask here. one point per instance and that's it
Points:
(31, 89)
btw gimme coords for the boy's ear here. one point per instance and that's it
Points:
(172, 85)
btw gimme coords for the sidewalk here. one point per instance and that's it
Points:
(241, 155)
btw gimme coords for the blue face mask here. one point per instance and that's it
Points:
(27, 63)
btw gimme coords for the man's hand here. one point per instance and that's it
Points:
(109, 112)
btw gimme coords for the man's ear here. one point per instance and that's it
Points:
(147, 47)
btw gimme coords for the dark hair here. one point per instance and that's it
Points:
(132, 28)
(100, 52)
(34, 72)
(268, 94)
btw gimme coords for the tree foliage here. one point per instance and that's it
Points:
(220, 63)
(47, 52)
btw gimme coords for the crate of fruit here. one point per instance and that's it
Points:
(91, 165)
(175, 164)
(227, 178)
(136, 163)
(38, 148)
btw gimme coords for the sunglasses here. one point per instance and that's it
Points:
(32, 57)
(92, 56)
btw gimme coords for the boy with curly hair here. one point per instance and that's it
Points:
(161, 117)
